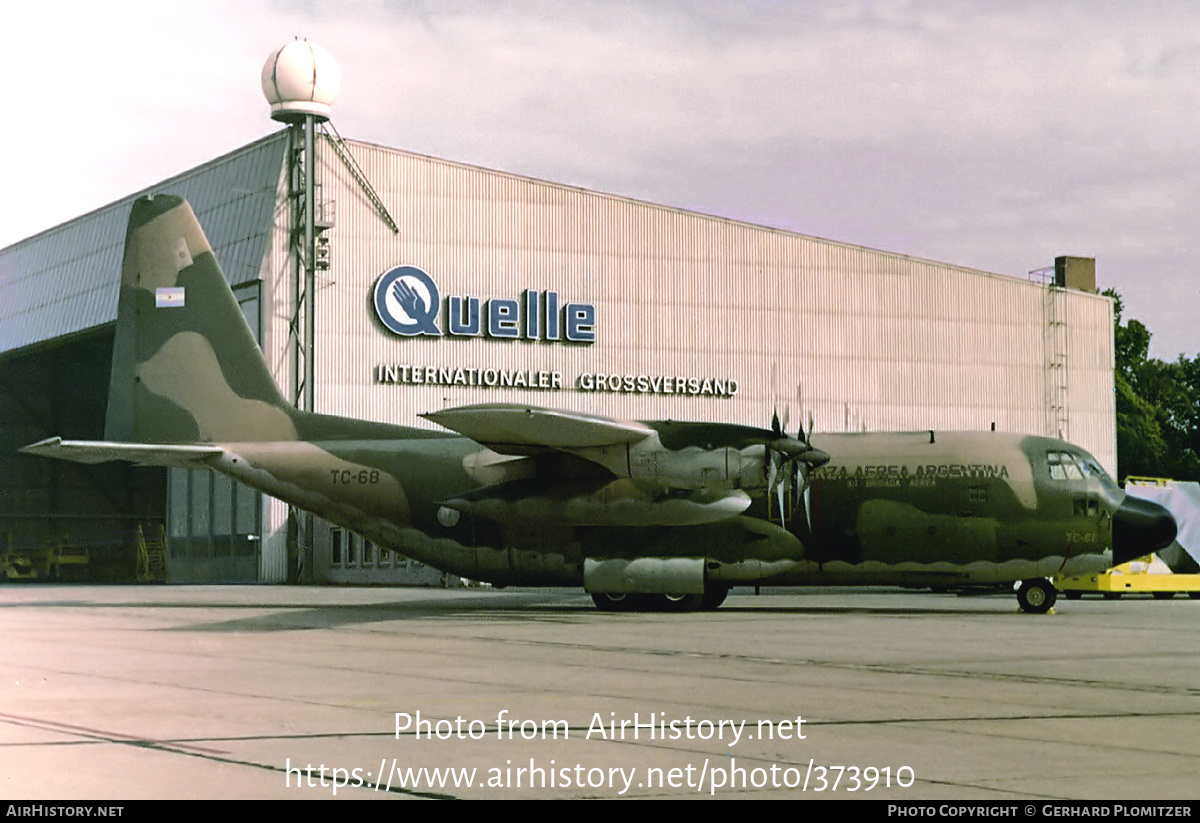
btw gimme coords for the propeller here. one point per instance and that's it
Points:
(790, 460)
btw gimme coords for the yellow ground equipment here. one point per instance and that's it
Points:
(16, 567)
(1130, 578)
(56, 561)
(62, 561)
(151, 555)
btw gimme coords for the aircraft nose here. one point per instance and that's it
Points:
(1140, 527)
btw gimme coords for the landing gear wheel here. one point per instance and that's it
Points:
(628, 602)
(713, 598)
(622, 602)
(613, 602)
(1036, 596)
(680, 602)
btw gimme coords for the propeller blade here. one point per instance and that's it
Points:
(807, 506)
(782, 516)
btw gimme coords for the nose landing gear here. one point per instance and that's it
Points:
(1036, 596)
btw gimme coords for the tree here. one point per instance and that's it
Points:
(1158, 420)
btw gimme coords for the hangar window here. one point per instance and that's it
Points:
(353, 551)
(350, 550)
(212, 524)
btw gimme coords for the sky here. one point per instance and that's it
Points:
(995, 135)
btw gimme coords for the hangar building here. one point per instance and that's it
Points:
(545, 294)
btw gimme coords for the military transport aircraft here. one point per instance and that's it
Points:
(643, 515)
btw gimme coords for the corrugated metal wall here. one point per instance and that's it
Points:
(858, 338)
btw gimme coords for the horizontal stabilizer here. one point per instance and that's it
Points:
(511, 428)
(143, 454)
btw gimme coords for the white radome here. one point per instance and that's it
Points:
(301, 78)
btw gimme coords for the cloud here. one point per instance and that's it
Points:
(993, 135)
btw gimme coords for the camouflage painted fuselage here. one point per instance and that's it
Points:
(890, 508)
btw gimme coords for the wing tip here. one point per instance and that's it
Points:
(38, 448)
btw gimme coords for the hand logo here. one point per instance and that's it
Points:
(407, 301)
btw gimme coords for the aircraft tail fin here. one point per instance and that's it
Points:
(186, 367)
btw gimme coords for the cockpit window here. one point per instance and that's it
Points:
(1092, 469)
(1062, 466)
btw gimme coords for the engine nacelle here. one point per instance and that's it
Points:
(706, 471)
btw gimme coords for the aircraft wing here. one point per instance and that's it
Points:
(143, 454)
(510, 428)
